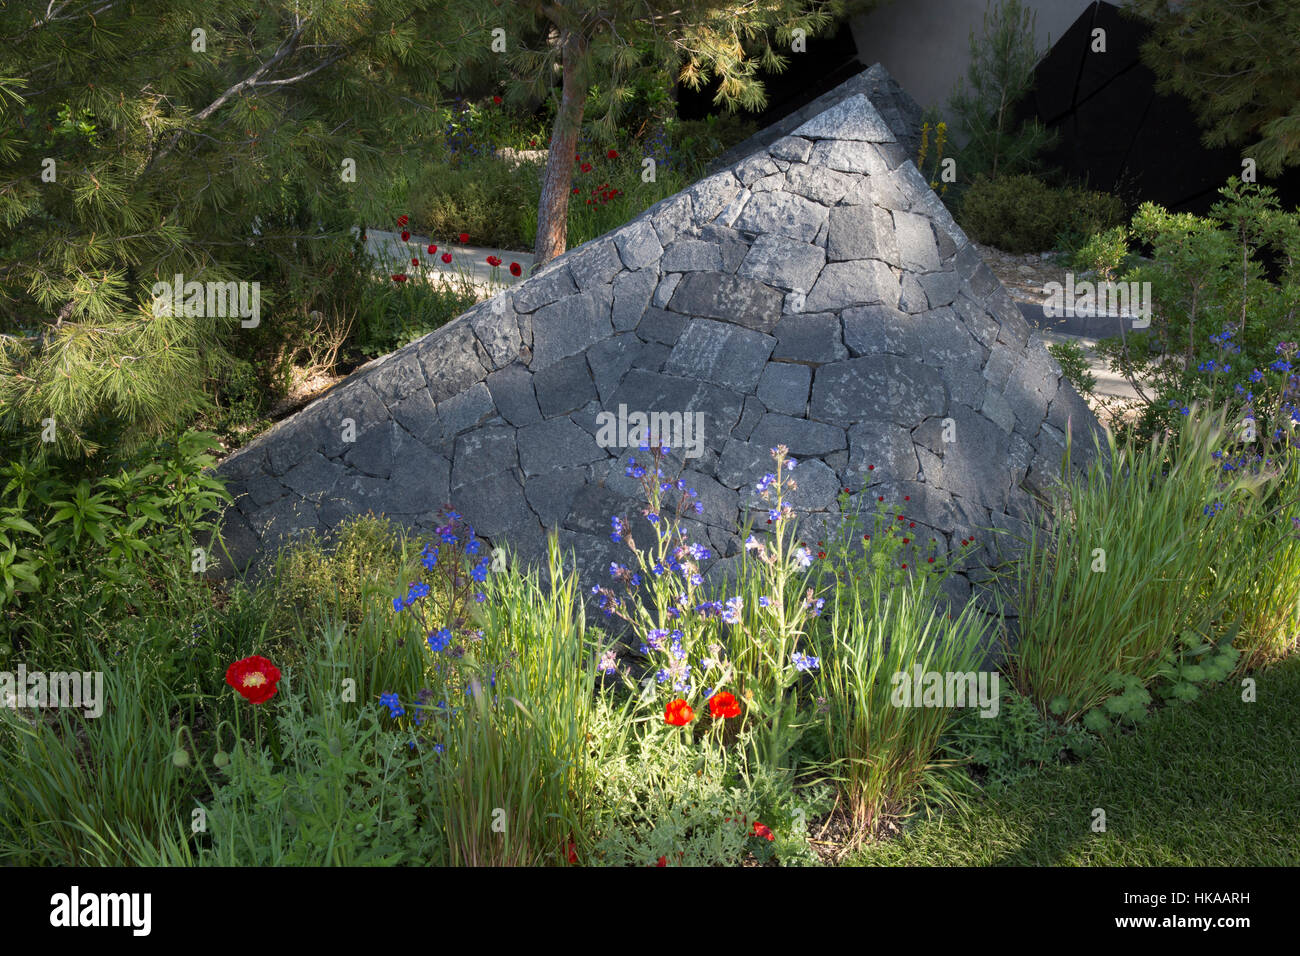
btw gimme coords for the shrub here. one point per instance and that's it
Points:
(394, 314)
(1023, 214)
(347, 577)
(484, 197)
(1225, 292)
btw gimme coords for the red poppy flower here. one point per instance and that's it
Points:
(585, 167)
(572, 849)
(403, 220)
(612, 154)
(405, 235)
(764, 831)
(663, 861)
(496, 100)
(400, 277)
(432, 250)
(254, 677)
(871, 467)
(516, 269)
(494, 261)
(446, 257)
(678, 713)
(464, 237)
(415, 262)
(576, 190)
(723, 705)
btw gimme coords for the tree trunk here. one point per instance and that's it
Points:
(553, 208)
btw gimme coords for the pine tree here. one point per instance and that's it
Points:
(139, 141)
(1238, 65)
(604, 44)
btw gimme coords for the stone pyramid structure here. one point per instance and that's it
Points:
(816, 293)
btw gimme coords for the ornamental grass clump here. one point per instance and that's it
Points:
(509, 685)
(1139, 557)
(890, 616)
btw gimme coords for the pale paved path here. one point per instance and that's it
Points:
(468, 263)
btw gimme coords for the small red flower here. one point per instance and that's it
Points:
(576, 190)
(907, 497)
(585, 167)
(723, 705)
(572, 849)
(464, 237)
(496, 101)
(403, 220)
(905, 567)
(663, 861)
(846, 491)
(432, 250)
(405, 235)
(516, 269)
(400, 277)
(612, 154)
(929, 560)
(446, 257)
(494, 261)
(678, 713)
(907, 541)
(254, 677)
(415, 262)
(871, 467)
(764, 831)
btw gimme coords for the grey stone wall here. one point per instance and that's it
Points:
(816, 294)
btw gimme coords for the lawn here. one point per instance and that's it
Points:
(1210, 783)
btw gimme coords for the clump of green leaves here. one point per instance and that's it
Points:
(1016, 743)
(1019, 213)
(1074, 365)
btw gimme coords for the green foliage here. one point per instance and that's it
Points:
(1023, 214)
(485, 197)
(1234, 65)
(1221, 319)
(1135, 558)
(884, 757)
(1074, 365)
(1000, 73)
(101, 791)
(339, 794)
(73, 544)
(1016, 743)
(395, 314)
(219, 161)
(347, 577)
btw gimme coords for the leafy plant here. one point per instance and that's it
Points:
(1135, 554)
(1015, 743)
(1074, 365)
(1000, 73)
